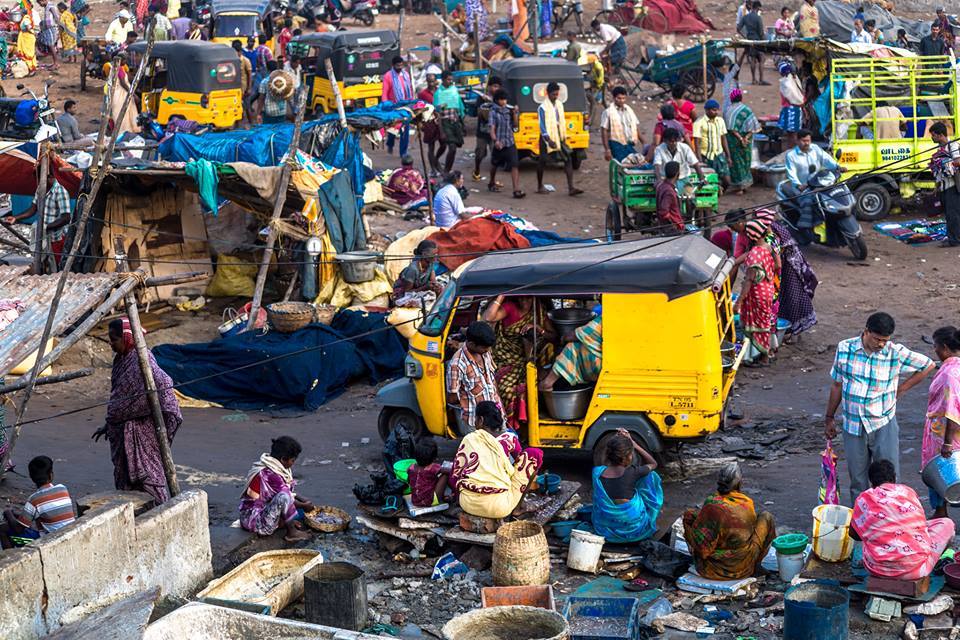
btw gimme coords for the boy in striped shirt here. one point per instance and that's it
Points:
(48, 509)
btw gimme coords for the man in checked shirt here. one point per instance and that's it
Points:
(866, 384)
(471, 372)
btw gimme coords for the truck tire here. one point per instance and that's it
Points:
(872, 202)
(390, 417)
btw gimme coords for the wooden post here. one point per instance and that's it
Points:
(445, 41)
(703, 52)
(403, 12)
(104, 152)
(476, 42)
(534, 23)
(150, 384)
(426, 175)
(332, 76)
(282, 197)
(40, 200)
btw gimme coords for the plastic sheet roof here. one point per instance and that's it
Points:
(82, 293)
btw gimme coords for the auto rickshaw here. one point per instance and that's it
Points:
(360, 58)
(669, 352)
(239, 19)
(194, 80)
(526, 80)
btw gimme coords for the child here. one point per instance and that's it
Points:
(428, 480)
(47, 510)
(268, 502)
(669, 217)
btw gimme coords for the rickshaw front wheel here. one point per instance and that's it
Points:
(392, 417)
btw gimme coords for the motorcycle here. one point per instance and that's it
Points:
(390, 6)
(363, 11)
(31, 119)
(823, 214)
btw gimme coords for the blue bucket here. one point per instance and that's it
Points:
(816, 610)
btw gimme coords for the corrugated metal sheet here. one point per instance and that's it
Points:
(81, 293)
(8, 273)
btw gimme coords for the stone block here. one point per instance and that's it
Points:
(21, 598)
(172, 546)
(92, 559)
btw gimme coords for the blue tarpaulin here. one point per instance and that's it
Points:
(345, 153)
(316, 365)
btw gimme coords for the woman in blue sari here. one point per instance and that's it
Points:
(627, 495)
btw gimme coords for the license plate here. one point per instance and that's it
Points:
(372, 102)
(473, 80)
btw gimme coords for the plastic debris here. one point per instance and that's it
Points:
(937, 605)
(881, 609)
(448, 566)
(661, 607)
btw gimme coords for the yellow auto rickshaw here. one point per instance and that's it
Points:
(238, 20)
(194, 80)
(360, 58)
(526, 80)
(668, 342)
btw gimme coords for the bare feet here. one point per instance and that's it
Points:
(295, 534)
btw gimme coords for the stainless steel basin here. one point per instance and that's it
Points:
(567, 404)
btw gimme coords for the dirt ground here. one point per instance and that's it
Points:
(918, 285)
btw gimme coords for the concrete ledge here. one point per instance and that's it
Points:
(89, 560)
(21, 574)
(172, 544)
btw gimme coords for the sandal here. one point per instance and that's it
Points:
(519, 194)
(575, 192)
(476, 177)
(543, 191)
(494, 188)
(391, 507)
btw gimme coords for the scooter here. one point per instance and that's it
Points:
(823, 214)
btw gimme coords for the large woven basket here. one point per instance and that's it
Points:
(287, 317)
(520, 555)
(325, 313)
(327, 519)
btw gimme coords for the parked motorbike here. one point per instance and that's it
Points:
(363, 11)
(29, 119)
(390, 6)
(826, 203)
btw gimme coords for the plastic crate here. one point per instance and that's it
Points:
(603, 618)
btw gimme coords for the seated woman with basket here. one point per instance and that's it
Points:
(268, 502)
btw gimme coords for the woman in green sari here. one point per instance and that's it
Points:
(741, 124)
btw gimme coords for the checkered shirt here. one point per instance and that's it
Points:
(869, 382)
(56, 205)
(472, 380)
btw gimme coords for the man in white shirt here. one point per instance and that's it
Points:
(448, 206)
(803, 160)
(859, 34)
(672, 150)
(614, 44)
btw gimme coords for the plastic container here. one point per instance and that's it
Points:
(335, 594)
(789, 565)
(358, 266)
(943, 476)
(816, 610)
(831, 532)
(540, 596)
(584, 552)
(530, 623)
(594, 618)
(791, 543)
(563, 528)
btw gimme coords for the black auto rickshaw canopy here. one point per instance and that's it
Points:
(675, 266)
(195, 66)
(356, 54)
(526, 80)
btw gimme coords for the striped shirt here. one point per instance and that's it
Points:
(869, 382)
(709, 133)
(48, 509)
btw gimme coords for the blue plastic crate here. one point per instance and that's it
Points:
(603, 618)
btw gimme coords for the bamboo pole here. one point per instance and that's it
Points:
(282, 198)
(60, 377)
(535, 26)
(332, 76)
(149, 383)
(16, 234)
(40, 200)
(703, 55)
(426, 175)
(476, 42)
(102, 159)
(445, 42)
(403, 12)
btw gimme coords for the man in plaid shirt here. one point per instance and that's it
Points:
(470, 378)
(57, 214)
(866, 384)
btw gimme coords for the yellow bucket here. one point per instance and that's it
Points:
(831, 532)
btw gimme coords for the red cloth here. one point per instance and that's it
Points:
(472, 238)
(668, 206)
(682, 16)
(18, 174)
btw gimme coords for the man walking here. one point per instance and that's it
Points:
(866, 384)
(553, 139)
(397, 87)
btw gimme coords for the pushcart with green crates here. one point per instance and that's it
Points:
(633, 205)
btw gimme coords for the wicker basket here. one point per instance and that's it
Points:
(325, 525)
(520, 555)
(287, 317)
(325, 313)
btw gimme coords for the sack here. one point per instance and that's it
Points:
(233, 277)
(829, 485)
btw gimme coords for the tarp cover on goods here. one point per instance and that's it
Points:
(305, 368)
(836, 21)
(682, 16)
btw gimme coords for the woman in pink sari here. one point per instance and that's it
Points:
(756, 307)
(898, 541)
(941, 430)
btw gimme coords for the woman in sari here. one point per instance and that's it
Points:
(513, 321)
(129, 427)
(942, 427)
(476, 14)
(758, 292)
(489, 485)
(120, 91)
(798, 282)
(741, 124)
(627, 494)
(27, 44)
(406, 185)
(726, 536)
(268, 502)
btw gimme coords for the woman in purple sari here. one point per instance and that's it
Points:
(797, 282)
(268, 502)
(129, 428)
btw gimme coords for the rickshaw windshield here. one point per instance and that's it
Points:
(440, 312)
(235, 26)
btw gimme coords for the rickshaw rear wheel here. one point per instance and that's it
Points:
(600, 448)
(612, 224)
(692, 79)
(391, 417)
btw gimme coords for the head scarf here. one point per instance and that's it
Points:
(784, 68)
(736, 94)
(711, 104)
(755, 230)
(730, 478)
(123, 13)
(766, 216)
(128, 334)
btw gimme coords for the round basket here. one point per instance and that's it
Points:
(327, 519)
(325, 313)
(521, 556)
(287, 317)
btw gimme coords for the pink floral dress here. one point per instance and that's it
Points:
(757, 311)
(943, 403)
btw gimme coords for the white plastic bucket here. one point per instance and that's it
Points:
(584, 552)
(789, 565)
(831, 532)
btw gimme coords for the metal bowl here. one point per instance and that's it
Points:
(568, 404)
(568, 320)
(727, 348)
